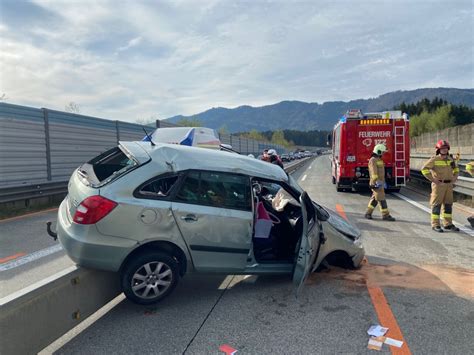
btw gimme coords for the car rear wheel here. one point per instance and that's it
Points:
(150, 277)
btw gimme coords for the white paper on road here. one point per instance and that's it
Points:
(377, 330)
(374, 344)
(393, 342)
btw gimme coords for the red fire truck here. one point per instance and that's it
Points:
(353, 141)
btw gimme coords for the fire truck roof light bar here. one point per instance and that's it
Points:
(384, 115)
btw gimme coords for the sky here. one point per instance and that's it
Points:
(139, 60)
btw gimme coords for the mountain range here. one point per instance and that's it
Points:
(304, 116)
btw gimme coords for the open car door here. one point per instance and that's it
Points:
(309, 243)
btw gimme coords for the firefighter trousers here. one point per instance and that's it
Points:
(441, 201)
(378, 195)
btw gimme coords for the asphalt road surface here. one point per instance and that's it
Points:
(417, 282)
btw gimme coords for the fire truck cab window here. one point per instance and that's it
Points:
(337, 141)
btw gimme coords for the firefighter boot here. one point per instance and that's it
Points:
(370, 208)
(384, 209)
(451, 227)
(471, 221)
(448, 218)
(368, 213)
(435, 211)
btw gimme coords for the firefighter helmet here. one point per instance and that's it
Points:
(442, 144)
(379, 149)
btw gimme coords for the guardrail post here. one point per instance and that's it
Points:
(47, 141)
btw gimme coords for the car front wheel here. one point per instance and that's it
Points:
(150, 277)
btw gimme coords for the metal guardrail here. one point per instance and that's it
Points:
(463, 185)
(293, 166)
(17, 193)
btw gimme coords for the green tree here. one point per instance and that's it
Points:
(418, 124)
(278, 137)
(462, 114)
(440, 119)
(253, 134)
(428, 116)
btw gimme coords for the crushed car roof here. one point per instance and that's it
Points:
(181, 157)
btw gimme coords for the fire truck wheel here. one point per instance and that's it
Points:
(340, 189)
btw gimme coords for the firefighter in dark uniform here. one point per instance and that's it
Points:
(443, 172)
(377, 184)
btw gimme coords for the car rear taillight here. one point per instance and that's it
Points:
(93, 209)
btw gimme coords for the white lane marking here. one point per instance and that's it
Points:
(30, 257)
(310, 167)
(304, 177)
(426, 209)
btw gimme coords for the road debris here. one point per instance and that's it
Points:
(377, 331)
(375, 344)
(377, 338)
(393, 342)
(229, 350)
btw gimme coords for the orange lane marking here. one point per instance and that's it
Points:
(11, 257)
(341, 212)
(27, 215)
(387, 319)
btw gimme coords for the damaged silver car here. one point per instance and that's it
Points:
(156, 212)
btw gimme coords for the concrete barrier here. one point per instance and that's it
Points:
(459, 137)
(34, 317)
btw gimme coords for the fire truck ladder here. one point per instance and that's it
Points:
(400, 177)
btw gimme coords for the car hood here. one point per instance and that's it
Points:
(342, 225)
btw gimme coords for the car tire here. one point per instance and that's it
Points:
(150, 277)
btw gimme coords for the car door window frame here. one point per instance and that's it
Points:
(201, 201)
(137, 192)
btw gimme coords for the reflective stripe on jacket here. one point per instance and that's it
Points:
(437, 168)
(470, 168)
(376, 170)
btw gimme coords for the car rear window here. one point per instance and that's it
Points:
(106, 167)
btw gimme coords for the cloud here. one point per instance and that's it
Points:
(125, 59)
(132, 43)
